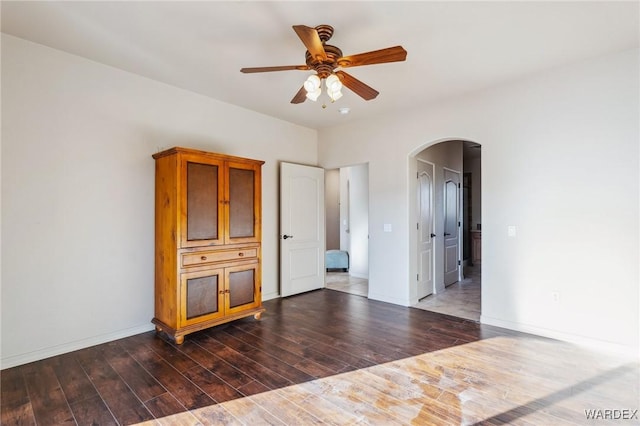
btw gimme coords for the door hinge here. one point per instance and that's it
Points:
(417, 175)
(417, 277)
(458, 224)
(458, 184)
(418, 225)
(458, 263)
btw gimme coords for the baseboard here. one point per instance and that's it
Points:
(15, 360)
(387, 299)
(270, 296)
(597, 345)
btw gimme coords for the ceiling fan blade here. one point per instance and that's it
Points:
(390, 54)
(365, 92)
(300, 97)
(311, 40)
(280, 68)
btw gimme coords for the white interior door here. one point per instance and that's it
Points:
(451, 226)
(302, 244)
(425, 229)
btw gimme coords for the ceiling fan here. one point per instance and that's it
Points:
(324, 59)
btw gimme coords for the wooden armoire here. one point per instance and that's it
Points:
(208, 240)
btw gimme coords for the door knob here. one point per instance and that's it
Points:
(284, 237)
(433, 235)
(446, 234)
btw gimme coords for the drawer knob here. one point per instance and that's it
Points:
(203, 257)
(241, 254)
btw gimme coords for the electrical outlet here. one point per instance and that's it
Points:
(555, 297)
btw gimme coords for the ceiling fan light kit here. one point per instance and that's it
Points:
(324, 59)
(313, 87)
(334, 85)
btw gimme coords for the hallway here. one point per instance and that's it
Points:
(342, 281)
(461, 299)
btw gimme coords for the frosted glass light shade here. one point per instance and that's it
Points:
(335, 95)
(314, 95)
(312, 84)
(333, 83)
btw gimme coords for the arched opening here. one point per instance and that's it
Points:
(445, 247)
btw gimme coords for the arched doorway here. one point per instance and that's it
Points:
(447, 213)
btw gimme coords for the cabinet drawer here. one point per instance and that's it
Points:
(215, 256)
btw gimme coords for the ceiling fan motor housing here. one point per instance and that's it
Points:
(324, 32)
(324, 67)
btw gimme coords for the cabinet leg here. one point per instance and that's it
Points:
(258, 315)
(158, 329)
(179, 340)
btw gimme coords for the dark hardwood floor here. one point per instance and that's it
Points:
(299, 339)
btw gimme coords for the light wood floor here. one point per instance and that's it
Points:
(494, 381)
(342, 281)
(325, 357)
(461, 299)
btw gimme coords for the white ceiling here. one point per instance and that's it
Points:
(453, 47)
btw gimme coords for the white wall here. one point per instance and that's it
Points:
(443, 155)
(354, 218)
(332, 208)
(345, 226)
(559, 162)
(78, 192)
(359, 221)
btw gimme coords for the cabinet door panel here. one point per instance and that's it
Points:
(243, 207)
(202, 201)
(202, 213)
(241, 286)
(244, 287)
(241, 203)
(202, 296)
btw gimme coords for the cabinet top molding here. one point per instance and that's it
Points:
(181, 150)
